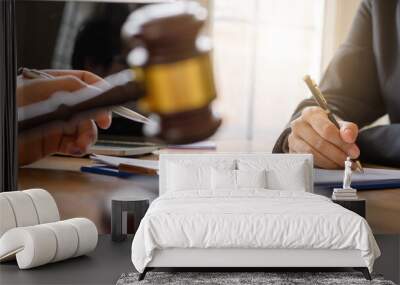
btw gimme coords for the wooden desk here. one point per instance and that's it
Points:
(86, 195)
(89, 195)
(383, 210)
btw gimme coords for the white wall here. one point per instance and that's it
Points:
(262, 50)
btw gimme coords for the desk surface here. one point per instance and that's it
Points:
(110, 259)
(87, 195)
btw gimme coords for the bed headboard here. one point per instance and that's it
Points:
(294, 171)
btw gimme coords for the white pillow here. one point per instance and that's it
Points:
(291, 175)
(251, 178)
(223, 179)
(193, 174)
(226, 179)
(182, 177)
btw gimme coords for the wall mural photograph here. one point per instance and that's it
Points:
(199, 141)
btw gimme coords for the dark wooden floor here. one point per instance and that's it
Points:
(110, 259)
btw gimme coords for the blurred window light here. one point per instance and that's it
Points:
(262, 49)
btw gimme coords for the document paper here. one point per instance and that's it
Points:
(115, 161)
(370, 174)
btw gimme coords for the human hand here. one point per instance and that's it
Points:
(72, 137)
(314, 133)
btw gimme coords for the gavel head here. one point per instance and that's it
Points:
(172, 58)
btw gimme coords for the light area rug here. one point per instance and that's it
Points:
(243, 278)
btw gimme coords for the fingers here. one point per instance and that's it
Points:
(41, 89)
(298, 145)
(87, 135)
(304, 131)
(51, 141)
(77, 139)
(348, 132)
(67, 142)
(319, 121)
(68, 80)
(314, 133)
(85, 76)
(73, 137)
(103, 120)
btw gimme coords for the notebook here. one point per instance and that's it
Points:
(122, 148)
(372, 178)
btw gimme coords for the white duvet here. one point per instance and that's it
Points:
(250, 219)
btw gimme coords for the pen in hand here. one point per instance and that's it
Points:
(321, 101)
(122, 111)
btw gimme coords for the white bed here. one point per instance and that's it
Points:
(196, 224)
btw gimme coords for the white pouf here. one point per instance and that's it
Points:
(31, 232)
(7, 218)
(37, 245)
(23, 208)
(46, 207)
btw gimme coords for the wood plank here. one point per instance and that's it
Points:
(383, 210)
(87, 195)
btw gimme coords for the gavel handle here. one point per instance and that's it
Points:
(55, 110)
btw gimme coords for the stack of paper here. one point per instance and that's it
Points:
(122, 148)
(117, 161)
(204, 145)
(344, 194)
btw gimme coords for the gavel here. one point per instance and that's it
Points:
(171, 77)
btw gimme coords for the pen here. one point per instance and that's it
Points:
(319, 97)
(104, 170)
(120, 110)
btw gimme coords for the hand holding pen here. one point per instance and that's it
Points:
(95, 82)
(317, 131)
(68, 138)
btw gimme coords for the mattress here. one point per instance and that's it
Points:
(251, 219)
